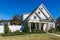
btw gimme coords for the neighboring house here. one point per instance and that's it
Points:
(40, 18)
(3, 22)
(58, 21)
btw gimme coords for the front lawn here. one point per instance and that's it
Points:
(58, 32)
(42, 36)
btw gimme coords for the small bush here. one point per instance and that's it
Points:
(17, 32)
(37, 31)
(34, 31)
(2, 34)
(10, 30)
(11, 33)
(41, 31)
(52, 30)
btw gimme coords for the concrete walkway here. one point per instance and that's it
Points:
(54, 34)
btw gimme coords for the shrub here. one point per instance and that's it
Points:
(58, 28)
(6, 30)
(26, 29)
(17, 32)
(11, 33)
(41, 31)
(33, 30)
(4, 34)
(10, 30)
(52, 30)
(37, 31)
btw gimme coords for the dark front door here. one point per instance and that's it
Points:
(32, 26)
(37, 25)
(42, 24)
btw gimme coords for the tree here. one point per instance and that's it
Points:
(58, 20)
(16, 20)
(16, 17)
(6, 29)
(58, 23)
(26, 28)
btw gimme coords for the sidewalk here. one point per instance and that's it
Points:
(54, 34)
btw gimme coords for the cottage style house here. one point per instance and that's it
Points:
(40, 19)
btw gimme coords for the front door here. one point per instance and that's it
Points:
(37, 25)
(42, 24)
(32, 26)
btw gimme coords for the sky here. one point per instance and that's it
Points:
(8, 8)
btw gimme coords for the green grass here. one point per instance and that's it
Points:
(42, 36)
(58, 32)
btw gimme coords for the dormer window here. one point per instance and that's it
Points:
(34, 17)
(38, 12)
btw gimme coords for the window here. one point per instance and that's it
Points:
(41, 8)
(34, 17)
(51, 25)
(38, 12)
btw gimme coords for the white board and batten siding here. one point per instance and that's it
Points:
(32, 19)
(40, 14)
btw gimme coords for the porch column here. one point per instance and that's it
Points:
(47, 27)
(29, 25)
(40, 26)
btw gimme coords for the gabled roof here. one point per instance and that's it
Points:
(47, 11)
(30, 15)
(41, 11)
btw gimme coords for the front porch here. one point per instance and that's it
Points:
(35, 25)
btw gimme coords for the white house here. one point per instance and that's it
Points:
(40, 18)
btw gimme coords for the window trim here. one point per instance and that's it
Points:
(38, 12)
(34, 17)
